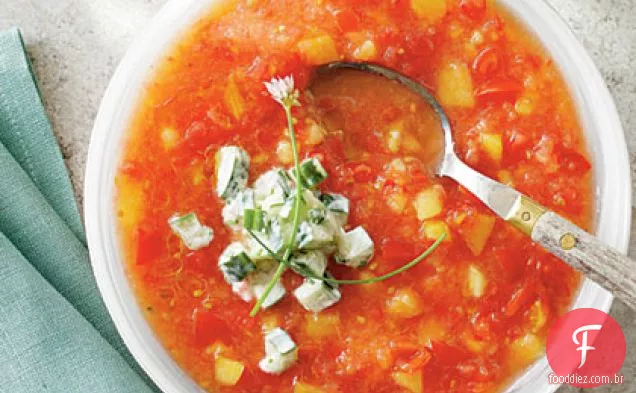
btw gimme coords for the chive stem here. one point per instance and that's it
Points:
(292, 238)
(373, 280)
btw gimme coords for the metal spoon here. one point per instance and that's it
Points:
(602, 264)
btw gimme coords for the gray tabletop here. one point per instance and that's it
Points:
(75, 46)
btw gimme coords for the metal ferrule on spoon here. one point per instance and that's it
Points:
(599, 262)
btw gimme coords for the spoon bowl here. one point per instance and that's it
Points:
(604, 265)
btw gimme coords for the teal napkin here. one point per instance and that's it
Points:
(55, 332)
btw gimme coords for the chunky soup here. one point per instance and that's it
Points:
(468, 318)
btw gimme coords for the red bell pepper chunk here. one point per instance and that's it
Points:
(499, 90)
(209, 328)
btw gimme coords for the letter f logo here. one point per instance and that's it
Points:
(584, 348)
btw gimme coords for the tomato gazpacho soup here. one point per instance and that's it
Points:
(283, 230)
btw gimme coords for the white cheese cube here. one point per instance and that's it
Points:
(235, 264)
(314, 261)
(272, 182)
(314, 237)
(315, 295)
(259, 281)
(232, 171)
(280, 352)
(355, 248)
(194, 235)
(235, 207)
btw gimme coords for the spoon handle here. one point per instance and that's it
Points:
(601, 263)
(604, 265)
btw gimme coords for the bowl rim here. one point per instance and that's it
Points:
(165, 29)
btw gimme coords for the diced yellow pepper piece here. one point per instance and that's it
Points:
(131, 202)
(431, 330)
(524, 106)
(322, 325)
(169, 138)
(527, 348)
(476, 282)
(227, 372)
(410, 144)
(431, 10)
(318, 50)
(493, 146)
(537, 316)
(301, 387)
(477, 231)
(432, 230)
(366, 52)
(474, 345)
(428, 203)
(397, 202)
(455, 86)
(233, 99)
(270, 322)
(409, 381)
(394, 140)
(405, 303)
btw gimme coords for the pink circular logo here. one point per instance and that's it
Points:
(586, 348)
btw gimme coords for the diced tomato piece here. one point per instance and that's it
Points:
(362, 173)
(474, 9)
(519, 298)
(516, 143)
(399, 250)
(499, 90)
(573, 162)
(209, 328)
(198, 136)
(132, 169)
(347, 20)
(332, 149)
(487, 62)
(150, 245)
(448, 354)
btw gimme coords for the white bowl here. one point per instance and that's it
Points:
(595, 106)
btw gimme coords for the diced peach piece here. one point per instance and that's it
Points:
(409, 381)
(476, 282)
(477, 231)
(234, 100)
(433, 230)
(429, 203)
(322, 325)
(405, 303)
(455, 86)
(227, 372)
(301, 387)
(318, 50)
(492, 146)
(430, 10)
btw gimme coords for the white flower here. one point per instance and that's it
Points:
(283, 91)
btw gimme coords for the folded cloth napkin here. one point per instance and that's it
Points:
(55, 332)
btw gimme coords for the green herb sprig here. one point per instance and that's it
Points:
(283, 91)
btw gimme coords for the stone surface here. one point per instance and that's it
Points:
(75, 46)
